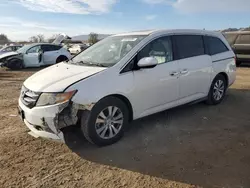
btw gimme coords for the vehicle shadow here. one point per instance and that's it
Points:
(196, 144)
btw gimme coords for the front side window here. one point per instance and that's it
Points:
(215, 45)
(34, 49)
(188, 46)
(107, 52)
(243, 39)
(161, 49)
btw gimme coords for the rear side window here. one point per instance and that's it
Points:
(56, 47)
(215, 45)
(49, 48)
(188, 46)
(243, 39)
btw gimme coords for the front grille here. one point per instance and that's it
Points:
(29, 97)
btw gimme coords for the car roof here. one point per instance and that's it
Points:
(144, 32)
(169, 31)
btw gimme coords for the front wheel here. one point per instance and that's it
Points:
(106, 122)
(217, 90)
(15, 64)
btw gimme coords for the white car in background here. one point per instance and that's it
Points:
(127, 77)
(36, 55)
(11, 48)
(77, 48)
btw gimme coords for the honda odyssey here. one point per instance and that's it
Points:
(125, 77)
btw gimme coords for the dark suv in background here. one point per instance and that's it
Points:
(240, 43)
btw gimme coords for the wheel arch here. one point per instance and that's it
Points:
(225, 76)
(126, 102)
(61, 57)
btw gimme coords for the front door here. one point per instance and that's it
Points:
(194, 67)
(156, 89)
(32, 58)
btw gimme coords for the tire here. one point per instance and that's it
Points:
(106, 127)
(15, 64)
(213, 98)
(61, 59)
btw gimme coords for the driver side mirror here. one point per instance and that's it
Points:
(147, 62)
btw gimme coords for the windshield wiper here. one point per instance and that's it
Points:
(88, 63)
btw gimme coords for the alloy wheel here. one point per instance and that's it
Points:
(218, 90)
(109, 122)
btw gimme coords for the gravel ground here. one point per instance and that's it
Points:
(190, 146)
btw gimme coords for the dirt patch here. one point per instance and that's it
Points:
(190, 146)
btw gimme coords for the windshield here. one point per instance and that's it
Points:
(107, 52)
(24, 48)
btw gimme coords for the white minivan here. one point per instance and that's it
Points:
(125, 77)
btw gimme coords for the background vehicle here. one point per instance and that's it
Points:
(77, 48)
(240, 43)
(126, 77)
(35, 55)
(11, 48)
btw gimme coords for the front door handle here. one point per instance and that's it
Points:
(184, 71)
(174, 73)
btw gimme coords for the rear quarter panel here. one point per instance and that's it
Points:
(64, 52)
(224, 62)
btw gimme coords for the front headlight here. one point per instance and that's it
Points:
(54, 98)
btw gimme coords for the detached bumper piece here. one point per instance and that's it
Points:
(37, 131)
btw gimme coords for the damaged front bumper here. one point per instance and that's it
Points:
(47, 121)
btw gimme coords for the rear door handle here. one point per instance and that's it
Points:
(184, 71)
(174, 73)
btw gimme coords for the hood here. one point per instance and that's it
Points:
(57, 77)
(8, 54)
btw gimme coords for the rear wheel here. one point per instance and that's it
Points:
(61, 59)
(106, 122)
(217, 90)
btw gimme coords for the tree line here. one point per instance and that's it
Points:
(93, 38)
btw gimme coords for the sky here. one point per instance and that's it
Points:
(21, 19)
